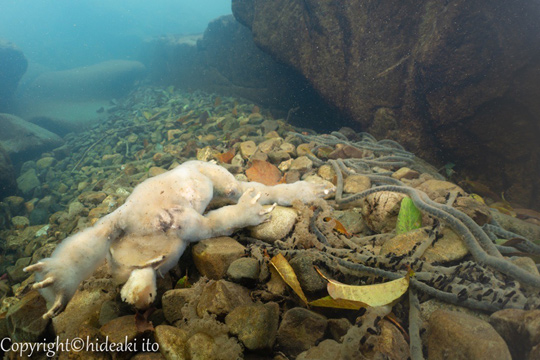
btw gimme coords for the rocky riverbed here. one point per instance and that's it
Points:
(223, 300)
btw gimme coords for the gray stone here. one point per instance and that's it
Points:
(337, 328)
(24, 140)
(28, 182)
(311, 281)
(280, 224)
(299, 330)
(244, 269)
(255, 325)
(16, 273)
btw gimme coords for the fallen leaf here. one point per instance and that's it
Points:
(288, 275)
(409, 217)
(328, 301)
(226, 157)
(263, 172)
(373, 295)
(338, 226)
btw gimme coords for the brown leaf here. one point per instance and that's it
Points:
(263, 172)
(288, 275)
(226, 157)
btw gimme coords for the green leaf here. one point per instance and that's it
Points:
(409, 217)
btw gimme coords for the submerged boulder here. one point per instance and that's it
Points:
(23, 140)
(70, 100)
(13, 65)
(452, 81)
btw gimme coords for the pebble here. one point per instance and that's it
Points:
(20, 222)
(446, 249)
(212, 257)
(380, 211)
(356, 183)
(299, 330)
(221, 297)
(173, 301)
(247, 149)
(244, 270)
(255, 325)
(280, 224)
(172, 342)
(302, 164)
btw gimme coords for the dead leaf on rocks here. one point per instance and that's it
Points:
(263, 172)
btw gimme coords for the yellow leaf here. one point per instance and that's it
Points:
(287, 274)
(327, 301)
(372, 295)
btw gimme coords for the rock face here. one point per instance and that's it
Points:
(23, 140)
(13, 65)
(225, 60)
(451, 81)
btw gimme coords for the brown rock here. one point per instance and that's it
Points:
(430, 49)
(255, 325)
(120, 330)
(327, 350)
(299, 330)
(438, 190)
(455, 335)
(448, 248)
(172, 342)
(201, 346)
(173, 301)
(221, 297)
(356, 183)
(24, 319)
(520, 329)
(214, 256)
(380, 210)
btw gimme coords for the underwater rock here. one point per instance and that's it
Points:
(221, 297)
(519, 328)
(244, 270)
(23, 140)
(430, 84)
(28, 182)
(172, 342)
(24, 321)
(13, 65)
(212, 257)
(8, 184)
(279, 225)
(460, 336)
(255, 325)
(299, 330)
(327, 349)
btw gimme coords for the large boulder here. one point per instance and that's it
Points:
(8, 185)
(70, 100)
(225, 60)
(13, 65)
(453, 81)
(23, 140)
